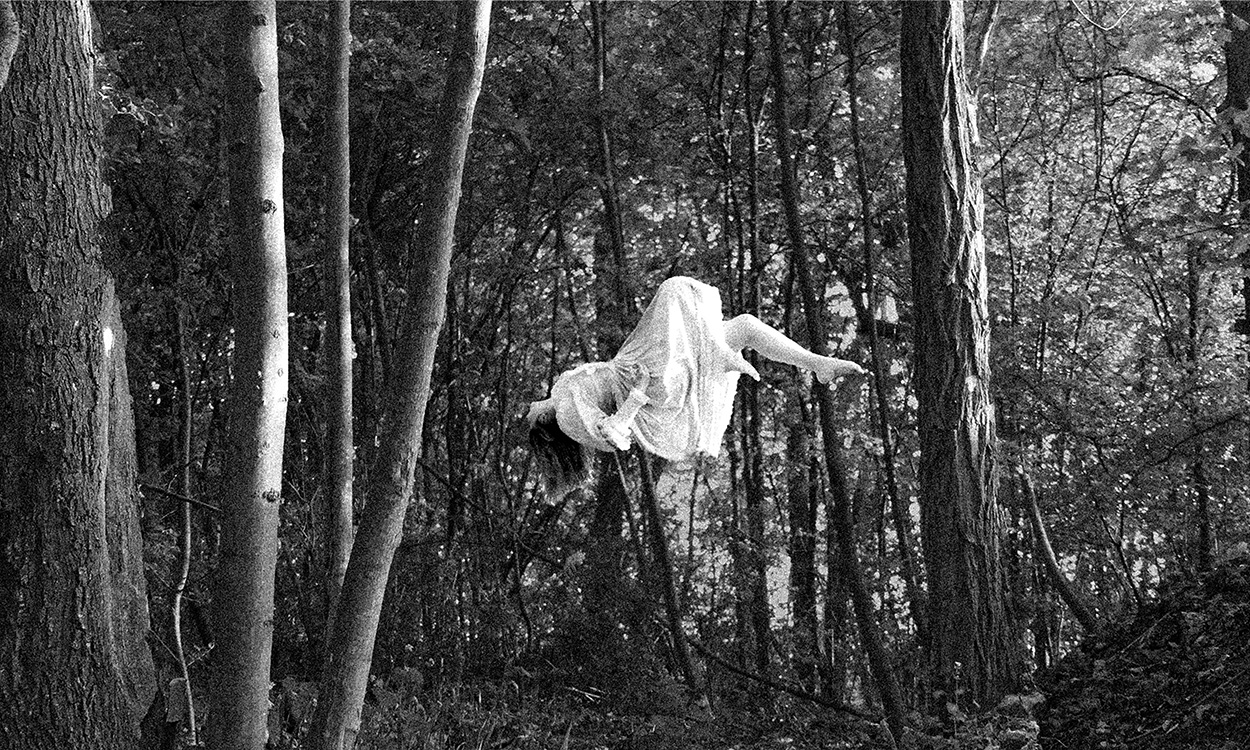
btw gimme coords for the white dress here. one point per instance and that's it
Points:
(680, 344)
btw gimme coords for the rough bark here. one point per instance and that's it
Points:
(337, 720)
(73, 603)
(339, 448)
(968, 654)
(251, 493)
(841, 517)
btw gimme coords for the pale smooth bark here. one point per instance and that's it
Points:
(337, 720)
(252, 491)
(76, 671)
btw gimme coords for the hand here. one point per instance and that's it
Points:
(615, 429)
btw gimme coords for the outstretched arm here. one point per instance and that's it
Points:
(615, 427)
(749, 332)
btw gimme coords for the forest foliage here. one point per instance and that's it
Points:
(1115, 255)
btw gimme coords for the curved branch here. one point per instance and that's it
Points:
(1084, 615)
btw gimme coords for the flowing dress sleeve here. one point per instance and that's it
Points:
(680, 344)
(583, 396)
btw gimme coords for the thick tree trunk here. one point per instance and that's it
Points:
(337, 720)
(252, 491)
(73, 603)
(969, 645)
(339, 447)
(841, 517)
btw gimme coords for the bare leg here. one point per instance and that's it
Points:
(749, 332)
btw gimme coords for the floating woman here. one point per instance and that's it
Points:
(670, 388)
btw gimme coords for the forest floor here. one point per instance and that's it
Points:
(1173, 676)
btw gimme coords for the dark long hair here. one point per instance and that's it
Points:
(563, 459)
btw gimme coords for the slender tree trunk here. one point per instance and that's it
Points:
(339, 447)
(607, 549)
(183, 572)
(337, 719)
(841, 517)
(900, 514)
(757, 604)
(252, 492)
(606, 554)
(603, 136)
(802, 501)
(1236, 102)
(969, 650)
(1197, 466)
(833, 664)
(664, 571)
(73, 603)
(1084, 615)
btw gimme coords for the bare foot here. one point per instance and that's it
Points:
(837, 368)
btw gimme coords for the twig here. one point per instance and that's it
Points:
(1097, 25)
(177, 496)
